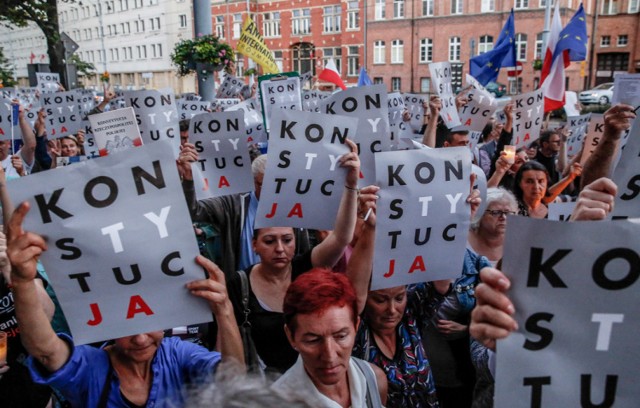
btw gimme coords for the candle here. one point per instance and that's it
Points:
(510, 150)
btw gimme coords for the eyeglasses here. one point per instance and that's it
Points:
(498, 213)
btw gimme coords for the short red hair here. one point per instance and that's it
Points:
(315, 291)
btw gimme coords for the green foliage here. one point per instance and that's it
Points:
(250, 71)
(206, 49)
(83, 67)
(6, 73)
(537, 64)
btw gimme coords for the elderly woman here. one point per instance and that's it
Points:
(269, 279)
(321, 318)
(138, 370)
(532, 180)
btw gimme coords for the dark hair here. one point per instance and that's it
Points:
(530, 165)
(545, 135)
(316, 291)
(184, 125)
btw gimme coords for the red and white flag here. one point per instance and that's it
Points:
(552, 78)
(330, 74)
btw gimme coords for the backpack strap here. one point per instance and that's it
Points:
(244, 287)
(373, 398)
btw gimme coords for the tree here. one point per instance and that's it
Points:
(83, 67)
(44, 13)
(6, 73)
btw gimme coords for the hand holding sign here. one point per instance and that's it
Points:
(618, 119)
(367, 204)
(595, 200)
(213, 289)
(24, 248)
(188, 155)
(352, 162)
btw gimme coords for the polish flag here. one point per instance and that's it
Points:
(330, 74)
(32, 57)
(552, 77)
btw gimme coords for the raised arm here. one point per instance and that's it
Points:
(28, 150)
(555, 190)
(429, 137)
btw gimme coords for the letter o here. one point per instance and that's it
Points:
(95, 202)
(602, 280)
(319, 131)
(419, 178)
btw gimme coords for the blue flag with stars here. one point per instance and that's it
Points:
(573, 37)
(363, 78)
(485, 67)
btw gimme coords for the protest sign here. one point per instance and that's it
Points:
(223, 165)
(413, 103)
(86, 101)
(121, 243)
(9, 122)
(8, 93)
(305, 79)
(474, 138)
(252, 45)
(156, 115)
(369, 104)
(280, 92)
(471, 81)
(224, 103)
(90, 146)
(578, 126)
(528, 111)
(560, 211)
(63, 114)
(230, 87)
(65, 161)
(189, 108)
(311, 100)
(441, 81)
(253, 123)
(422, 216)
(398, 128)
(48, 82)
(115, 131)
(627, 176)
(303, 182)
(478, 110)
(593, 137)
(626, 89)
(576, 303)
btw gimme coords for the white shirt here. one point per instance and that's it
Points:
(10, 171)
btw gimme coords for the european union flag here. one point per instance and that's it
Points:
(15, 113)
(363, 78)
(485, 67)
(573, 37)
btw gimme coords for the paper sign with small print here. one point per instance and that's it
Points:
(369, 104)
(63, 114)
(230, 87)
(48, 82)
(303, 181)
(223, 166)
(190, 108)
(156, 115)
(626, 89)
(280, 93)
(477, 112)
(115, 131)
(560, 211)
(253, 124)
(575, 303)
(578, 126)
(121, 243)
(528, 111)
(627, 176)
(413, 103)
(422, 217)
(441, 82)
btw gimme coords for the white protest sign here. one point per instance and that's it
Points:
(474, 138)
(627, 176)
(593, 137)
(253, 123)
(398, 128)
(471, 81)
(9, 126)
(230, 87)
(280, 93)
(441, 81)
(560, 211)
(224, 103)
(156, 115)
(223, 165)
(413, 103)
(477, 112)
(578, 126)
(576, 303)
(66, 161)
(115, 131)
(422, 216)
(187, 109)
(90, 146)
(311, 100)
(48, 82)
(303, 182)
(8, 93)
(63, 114)
(369, 104)
(626, 89)
(121, 243)
(528, 111)
(86, 101)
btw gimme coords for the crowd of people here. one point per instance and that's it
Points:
(294, 320)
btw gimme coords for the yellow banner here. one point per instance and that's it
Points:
(252, 45)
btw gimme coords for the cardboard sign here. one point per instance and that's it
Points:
(303, 182)
(188, 109)
(627, 176)
(230, 87)
(561, 211)
(578, 126)
(121, 244)
(528, 114)
(413, 103)
(63, 115)
(48, 82)
(280, 93)
(477, 112)
(253, 122)
(156, 115)
(223, 166)
(422, 218)
(576, 303)
(369, 104)
(115, 131)
(441, 81)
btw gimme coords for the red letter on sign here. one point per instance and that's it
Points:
(296, 210)
(392, 267)
(97, 316)
(137, 305)
(223, 182)
(418, 264)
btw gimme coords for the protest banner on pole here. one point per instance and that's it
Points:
(578, 126)
(369, 105)
(576, 303)
(156, 115)
(627, 176)
(422, 218)
(47, 82)
(303, 182)
(121, 244)
(115, 131)
(441, 83)
(223, 165)
(63, 114)
(188, 109)
(528, 111)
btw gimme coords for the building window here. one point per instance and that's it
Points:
(425, 85)
(378, 80)
(610, 7)
(456, 6)
(454, 49)
(538, 51)
(543, 3)
(521, 47)
(398, 8)
(332, 19)
(485, 44)
(155, 23)
(353, 60)
(623, 40)
(336, 54)
(427, 7)
(353, 15)
(634, 6)
(303, 58)
(515, 86)
(239, 68)
(487, 6)
(521, 4)
(426, 50)
(605, 41)
(378, 52)
(183, 20)
(395, 84)
(379, 11)
(271, 24)
(300, 22)
(237, 25)
(397, 52)
(277, 56)
(220, 26)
